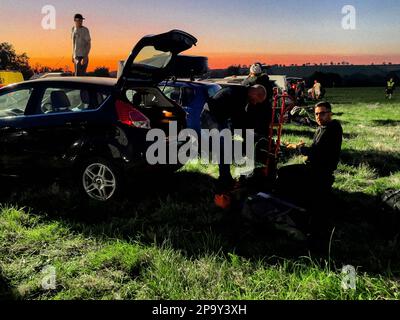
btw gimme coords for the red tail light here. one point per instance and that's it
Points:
(130, 116)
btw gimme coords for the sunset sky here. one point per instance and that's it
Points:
(229, 31)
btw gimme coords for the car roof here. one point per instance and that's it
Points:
(183, 82)
(102, 81)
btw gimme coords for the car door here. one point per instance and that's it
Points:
(14, 122)
(60, 123)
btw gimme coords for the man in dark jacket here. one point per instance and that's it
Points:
(235, 105)
(264, 111)
(315, 177)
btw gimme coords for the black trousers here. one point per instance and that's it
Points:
(304, 185)
(80, 69)
(208, 121)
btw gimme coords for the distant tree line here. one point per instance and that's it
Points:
(327, 79)
(330, 80)
(10, 60)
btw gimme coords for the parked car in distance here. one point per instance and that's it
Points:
(91, 129)
(280, 81)
(10, 77)
(292, 82)
(191, 95)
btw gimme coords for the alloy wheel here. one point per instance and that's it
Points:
(99, 181)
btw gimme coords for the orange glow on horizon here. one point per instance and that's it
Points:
(221, 61)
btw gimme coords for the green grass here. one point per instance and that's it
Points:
(168, 241)
(89, 268)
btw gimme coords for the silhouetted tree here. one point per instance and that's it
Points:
(10, 60)
(233, 70)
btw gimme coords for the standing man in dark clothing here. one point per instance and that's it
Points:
(315, 177)
(235, 105)
(264, 111)
(300, 88)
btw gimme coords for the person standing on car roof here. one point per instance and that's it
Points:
(81, 45)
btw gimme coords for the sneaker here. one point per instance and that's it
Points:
(223, 201)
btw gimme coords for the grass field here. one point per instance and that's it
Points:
(169, 241)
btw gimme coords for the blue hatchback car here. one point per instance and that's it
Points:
(191, 95)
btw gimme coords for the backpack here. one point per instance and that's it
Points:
(267, 209)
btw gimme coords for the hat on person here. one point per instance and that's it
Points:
(78, 16)
(255, 69)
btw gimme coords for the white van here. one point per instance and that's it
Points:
(280, 81)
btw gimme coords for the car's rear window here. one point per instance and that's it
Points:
(152, 57)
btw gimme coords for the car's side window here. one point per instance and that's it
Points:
(213, 90)
(56, 100)
(13, 104)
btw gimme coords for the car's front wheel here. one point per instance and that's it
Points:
(100, 179)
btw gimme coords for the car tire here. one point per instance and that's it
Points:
(99, 179)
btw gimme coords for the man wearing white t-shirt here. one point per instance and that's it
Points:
(317, 90)
(81, 45)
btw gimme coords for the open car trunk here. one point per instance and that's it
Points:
(153, 57)
(150, 62)
(154, 105)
